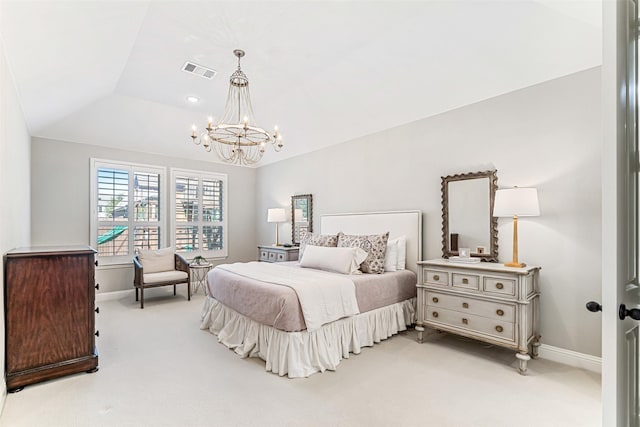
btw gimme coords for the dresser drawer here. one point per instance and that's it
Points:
(281, 256)
(435, 277)
(466, 281)
(264, 255)
(470, 322)
(464, 304)
(499, 285)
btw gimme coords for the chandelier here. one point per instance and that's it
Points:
(235, 137)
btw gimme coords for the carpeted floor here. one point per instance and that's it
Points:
(157, 368)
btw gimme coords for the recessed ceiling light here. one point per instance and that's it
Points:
(193, 99)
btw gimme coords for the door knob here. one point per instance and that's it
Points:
(594, 307)
(634, 313)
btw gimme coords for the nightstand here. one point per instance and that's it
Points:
(277, 253)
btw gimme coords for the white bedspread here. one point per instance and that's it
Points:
(324, 297)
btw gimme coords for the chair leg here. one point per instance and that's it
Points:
(142, 297)
(136, 294)
(174, 290)
(188, 291)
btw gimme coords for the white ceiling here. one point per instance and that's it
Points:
(109, 72)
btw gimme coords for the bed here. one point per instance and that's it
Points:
(257, 318)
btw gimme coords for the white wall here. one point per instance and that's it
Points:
(14, 178)
(546, 136)
(60, 214)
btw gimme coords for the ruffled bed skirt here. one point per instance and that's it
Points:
(300, 354)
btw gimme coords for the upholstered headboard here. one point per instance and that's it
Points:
(397, 223)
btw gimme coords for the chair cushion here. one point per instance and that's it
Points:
(157, 261)
(165, 276)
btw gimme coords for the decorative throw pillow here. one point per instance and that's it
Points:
(306, 238)
(374, 244)
(157, 261)
(339, 260)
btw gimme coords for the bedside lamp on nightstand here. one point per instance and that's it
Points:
(515, 202)
(276, 215)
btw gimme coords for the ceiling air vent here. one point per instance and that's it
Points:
(191, 68)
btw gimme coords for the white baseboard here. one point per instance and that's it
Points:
(108, 296)
(571, 358)
(3, 398)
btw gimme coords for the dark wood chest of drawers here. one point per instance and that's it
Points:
(49, 307)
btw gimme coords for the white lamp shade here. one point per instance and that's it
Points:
(516, 201)
(276, 215)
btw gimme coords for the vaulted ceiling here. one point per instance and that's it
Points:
(110, 72)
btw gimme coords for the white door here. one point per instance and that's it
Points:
(620, 215)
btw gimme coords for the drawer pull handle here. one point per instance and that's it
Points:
(97, 333)
(436, 277)
(97, 310)
(499, 328)
(465, 321)
(434, 299)
(499, 285)
(500, 312)
(435, 314)
(97, 286)
(465, 281)
(465, 305)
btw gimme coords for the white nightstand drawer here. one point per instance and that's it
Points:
(464, 304)
(471, 322)
(435, 277)
(466, 281)
(264, 256)
(499, 285)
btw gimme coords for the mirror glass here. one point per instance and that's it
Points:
(467, 203)
(301, 216)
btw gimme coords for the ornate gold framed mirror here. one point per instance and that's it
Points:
(301, 216)
(467, 221)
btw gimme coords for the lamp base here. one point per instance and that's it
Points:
(515, 264)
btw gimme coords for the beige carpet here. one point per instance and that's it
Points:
(157, 368)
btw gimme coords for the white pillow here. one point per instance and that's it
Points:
(339, 260)
(157, 261)
(402, 253)
(391, 256)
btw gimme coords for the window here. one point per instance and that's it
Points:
(127, 203)
(199, 212)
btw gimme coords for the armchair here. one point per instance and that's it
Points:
(160, 268)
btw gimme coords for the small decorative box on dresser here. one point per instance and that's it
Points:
(277, 253)
(484, 301)
(49, 319)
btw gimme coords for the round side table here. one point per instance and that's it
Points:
(199, 277)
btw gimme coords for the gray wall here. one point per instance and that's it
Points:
(546, 136)
(14, 180)
(60, 199)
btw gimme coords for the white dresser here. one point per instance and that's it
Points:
(485, 301)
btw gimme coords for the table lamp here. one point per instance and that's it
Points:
(515, 202)
(276, 215)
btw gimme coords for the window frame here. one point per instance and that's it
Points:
(132, 169)
(200, 175)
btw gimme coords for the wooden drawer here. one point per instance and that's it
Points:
(435, 277)
(499, 285)
(272, 256)
(264, 255)
(472, 323)
(281, 256)
(464, 304)
(465, 281)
